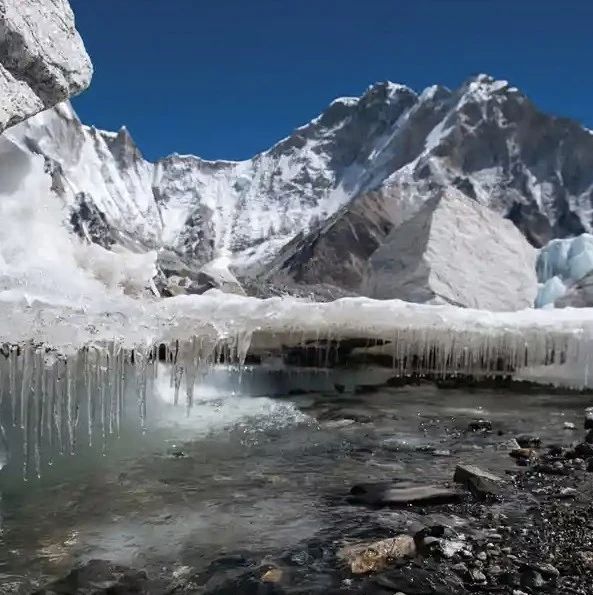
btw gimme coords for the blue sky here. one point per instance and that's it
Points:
(228, 78)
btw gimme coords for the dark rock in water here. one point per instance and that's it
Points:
(556, 468)
(584, 450)
(548, 571)
(477, 576)
(480, 425)
(532, 579)
(555, 450)
(589, 418)
(524, 453)
(589, 437)
(100, 577)
(481, 484)
(529, 441)
(419, 581)
(404, 494)
(590, 465)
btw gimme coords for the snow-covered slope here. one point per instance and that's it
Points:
(315, 206)
(458, 252)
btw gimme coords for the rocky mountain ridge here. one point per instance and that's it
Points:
(312, 209)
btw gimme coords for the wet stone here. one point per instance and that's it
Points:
(480, 425)
(398, 495)
(532, 579)
(100, 577)
(529, 441)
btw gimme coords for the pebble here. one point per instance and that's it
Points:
(482, 556)
(480, 425)
(274, 575)
(568, 425)
(523, 453)
(532, 579)
(529, 441)
(477, 576)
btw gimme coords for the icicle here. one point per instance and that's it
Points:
(70, 405)
(101, 388)
(190, 365)
(38, 396)
(89, 396)
(141, 364)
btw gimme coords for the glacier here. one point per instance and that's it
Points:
(561, 264)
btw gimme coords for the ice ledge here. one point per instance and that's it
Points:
(400, 334)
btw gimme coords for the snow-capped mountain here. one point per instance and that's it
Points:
(314, 207)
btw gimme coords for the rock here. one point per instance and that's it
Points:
(216, 275)
(42, 59)
(481, 484)
(465, 472)
(589, 418)
(100, 577)
(273, 575)
(586, 559)
(589, 437)
(413, 580)
(511, 444)
(461, 569)
(556, 468)
(371, 557)
(568, 425)
(529, 441)
(532, 579)
(567, 493)
(546, 570)
(524, 453)
(584, 450)
(555, 450)
(390, 494)
(477, 576)
(429, 258)
(480, 425)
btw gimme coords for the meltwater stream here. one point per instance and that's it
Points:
(251, 477)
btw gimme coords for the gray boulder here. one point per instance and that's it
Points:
(42, 58)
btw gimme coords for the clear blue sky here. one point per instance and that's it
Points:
(228, 78)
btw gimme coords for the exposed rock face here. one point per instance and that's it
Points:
(455, 251)
(42, 58)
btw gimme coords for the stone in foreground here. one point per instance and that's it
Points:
(371, 557)
(42, 58)
(482, 484)
(458, 252)
(402, 494)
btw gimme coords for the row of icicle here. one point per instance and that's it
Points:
(53, 404)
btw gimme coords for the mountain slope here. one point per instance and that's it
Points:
(313, 208)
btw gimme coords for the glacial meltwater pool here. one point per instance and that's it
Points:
(255, 480)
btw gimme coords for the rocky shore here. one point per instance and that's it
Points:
(525, 530)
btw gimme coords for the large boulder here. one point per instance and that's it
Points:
(42, 58)
(458, 252)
